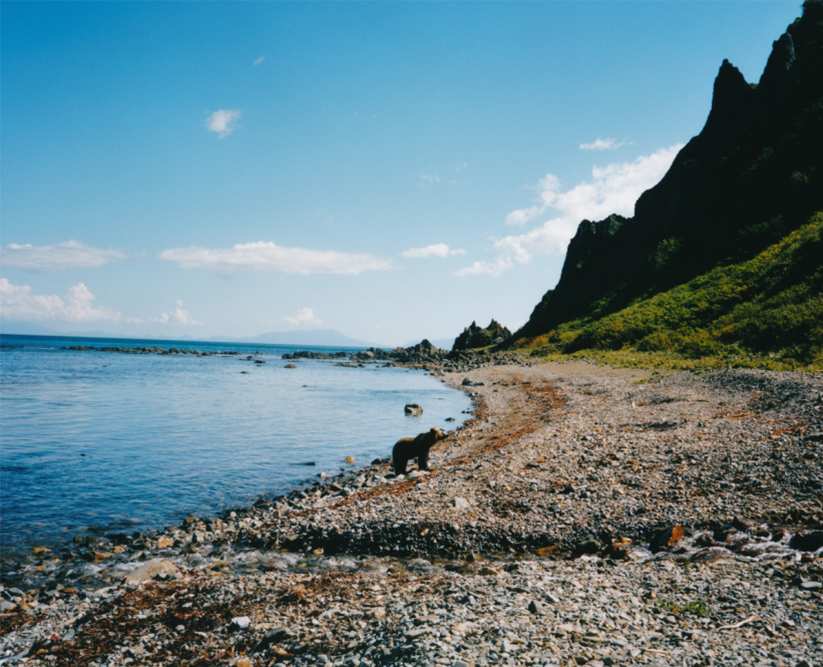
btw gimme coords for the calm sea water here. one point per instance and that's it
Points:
(108, 442)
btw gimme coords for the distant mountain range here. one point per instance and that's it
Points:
(319, 337)
(308, 337)
(311, 337)
(30, 329)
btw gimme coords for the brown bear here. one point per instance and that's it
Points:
(410, 448)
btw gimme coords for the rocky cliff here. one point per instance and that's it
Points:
(753, 175)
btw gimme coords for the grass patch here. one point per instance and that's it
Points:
(697, 607)
(766, 312)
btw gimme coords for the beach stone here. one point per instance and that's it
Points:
(413, 409)
(418, 632)
(460, 503)
(811, 585)
(275, 635)
(349, 459)
(807, 541)
(290, 366)
(5, 605)
(150, 570)
(164, 542)
(241, 622)
(587, 547)
(666, 538)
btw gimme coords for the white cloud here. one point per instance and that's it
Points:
(605, 144)
(178, 316)
(429, 179)
(303, 318)
(613, 189)
(523, 215)
(259, 60)
(65, 255)
(436, 250)
(263, 256)
(18, 303)
(223, 121)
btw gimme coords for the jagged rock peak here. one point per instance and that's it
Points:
(473, 336)
(781, 59)
(782, 56)
(731, 95)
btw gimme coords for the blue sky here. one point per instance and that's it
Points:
(390, 170)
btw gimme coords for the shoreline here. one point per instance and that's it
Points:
(544, 502)
(24, 529)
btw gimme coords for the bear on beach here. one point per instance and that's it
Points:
(410, 448)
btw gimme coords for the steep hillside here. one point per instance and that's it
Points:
(751, 177)
(772, 303)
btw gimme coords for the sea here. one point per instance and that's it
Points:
(95, 442)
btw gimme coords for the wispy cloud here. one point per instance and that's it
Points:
(604, 144)
(178, 316)
(613, 189)
(259, 61)
(224, 121)
(263, 256)
(436, 250)
(428, 179)
(65, 255)
(18, 303)
(304, 319)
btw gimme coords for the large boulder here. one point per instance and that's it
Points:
(150, 570)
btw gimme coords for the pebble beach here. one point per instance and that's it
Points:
(585, 515)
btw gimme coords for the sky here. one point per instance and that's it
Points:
(393, 171)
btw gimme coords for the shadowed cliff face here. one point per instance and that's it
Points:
(752, 175)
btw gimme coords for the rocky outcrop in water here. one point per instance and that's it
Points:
(149, 350)
(474, 337)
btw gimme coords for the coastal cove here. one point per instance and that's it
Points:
(97, 443)
(528, 543)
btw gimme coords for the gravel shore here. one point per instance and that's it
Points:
(585, 515)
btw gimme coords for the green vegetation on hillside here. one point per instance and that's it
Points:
(764, 311)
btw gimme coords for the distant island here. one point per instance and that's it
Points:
(310, 337)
